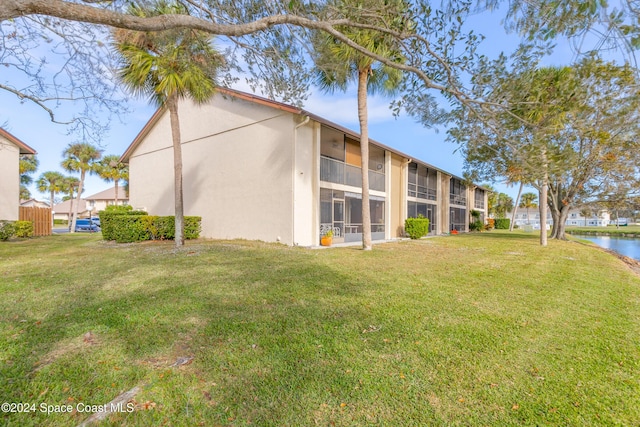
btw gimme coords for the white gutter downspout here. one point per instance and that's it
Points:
(293, 178)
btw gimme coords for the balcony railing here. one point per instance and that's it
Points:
(341, 173)
(422, 192)
(457, 199)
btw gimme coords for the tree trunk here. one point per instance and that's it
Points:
(515, 208)
(555, 217)
(70, 211)
(51, 206)
(172, 103)
(363, 76)
(544, 187)
(75, 212)
(560, 233)
(116, 190)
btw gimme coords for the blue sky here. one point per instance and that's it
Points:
(31, 124)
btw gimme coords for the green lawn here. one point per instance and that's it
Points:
(483, 329)
(612, 230)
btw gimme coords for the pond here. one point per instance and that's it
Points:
(627, 246)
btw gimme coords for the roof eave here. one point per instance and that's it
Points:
(24, 148)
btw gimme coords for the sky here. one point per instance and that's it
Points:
(32, 125)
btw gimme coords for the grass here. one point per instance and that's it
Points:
(612, 230)
(481, 329)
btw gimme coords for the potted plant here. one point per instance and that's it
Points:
(327, 238)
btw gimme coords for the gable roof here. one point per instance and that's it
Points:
(24, 148)
(110, 194)
(63, 207)
(34, 202)
(283, 107)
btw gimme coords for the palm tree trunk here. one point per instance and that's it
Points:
(515, 208)
(172, 103)
(116, 190)
(75, 212)
(363, 76)
(70, 209)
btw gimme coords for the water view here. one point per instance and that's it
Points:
(627, 246)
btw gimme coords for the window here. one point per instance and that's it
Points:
(341, 212)
(426, 210)
(340, 161)
(332, 144)
(478, 198)
(457, 192)
(423, 182)
(458, 219)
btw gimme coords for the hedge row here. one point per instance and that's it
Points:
(10, 229)
(416, 227)
(136, 226)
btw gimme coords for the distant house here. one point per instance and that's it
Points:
(99, 201)
(10, 150)
(91, 205)
(531, 217)
(34, 203)
(576, 218)
(61, 210)
(258, 169)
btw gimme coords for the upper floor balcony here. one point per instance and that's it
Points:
(341, 173)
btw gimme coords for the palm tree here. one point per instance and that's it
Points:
(338, 64)
(110, 168)
(28, 165)
(51, 182)
(169, 66)
(69, 186)
(83, 158)
(528, 201)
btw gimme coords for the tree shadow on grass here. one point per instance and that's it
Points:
(226, 306)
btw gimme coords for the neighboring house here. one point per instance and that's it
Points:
(34, 203)
(531, 217)
(10, 150)
(600, 218)
(262, 170)
(61, 210)
(99, 201)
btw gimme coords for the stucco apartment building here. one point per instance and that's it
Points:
(10, 150)
(262, 170)
(531, 217)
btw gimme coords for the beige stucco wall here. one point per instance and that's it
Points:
(237, 169)
(444, 220)
(9, 180)
(306, 193)
(398, 195)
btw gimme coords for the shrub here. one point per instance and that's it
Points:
(502, 223)
(23, 228)
(138, 226)
(416, 227)
(476, 226)
(7, 230)
(108, 220)
(192, 227)
(127, 228)
(491, 224)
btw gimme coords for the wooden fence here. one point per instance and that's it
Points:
(41, 218)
